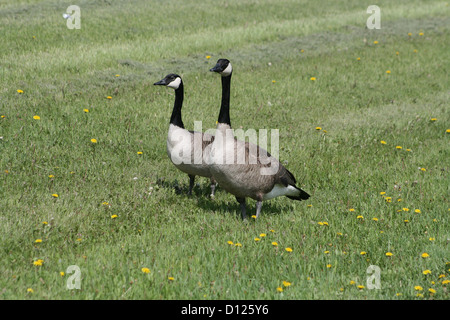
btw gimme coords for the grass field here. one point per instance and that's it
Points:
(333, 88)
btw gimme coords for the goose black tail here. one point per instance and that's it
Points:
(302, 195)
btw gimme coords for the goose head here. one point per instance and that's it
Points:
(223, 67)
(171, 80)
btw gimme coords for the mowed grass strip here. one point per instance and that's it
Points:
(116, 206)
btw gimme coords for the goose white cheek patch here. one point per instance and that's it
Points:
(227, 70)
(175, 83)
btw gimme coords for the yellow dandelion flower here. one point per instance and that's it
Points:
(360, 287)
(44, 222)
(280, 289)
(140, 153)
(79, 239)
(36, 117)
(286, 283)
(117, 75)
(351, 210)
(271, 230)
(432, 291)
(318, 128)
(324, 223)
(382, 193)
(208, 57)
(418, 288)
(326, 252)
(399, 200)
(171, 278)
(352, 282)
(274, 244)
(320, 223)
(389, 254)
(375, 42)
(339, 233)
(62, 274)
(312, 79)
(405, 221)
(425, 272)
(433, 119)
(254, 216)
(388, 71)
(38, 240)
(441, 276)
(397, 53)
(273, 81)
(383, 142)
(238, 244)
(398, 294)
(447, 131)
(421, 33)
(51, 176)
(145, 270)
(375, 219)
(358, 59)
(329, 265)
(38, 262)
(288, 249)
(230, 242)
(94, 140)
(423, 169)
(360, 217)
(114, 216)
(86, 110)
(425, 255)
(405, 209)
(55, 195)
(415, 51)
(409, 34)
(431, 239)
(398, 147)
(388, 199)
(257, 239)
(444, 282)
(109, 97)
(19, 91)
(302, 50)
(363, 253)
(30, 290)
(262, 235)
(409, 150)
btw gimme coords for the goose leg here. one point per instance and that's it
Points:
(213, 187)
(258, 208)
(191, 183)
(242, 204)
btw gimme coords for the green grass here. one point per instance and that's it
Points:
(343, 165)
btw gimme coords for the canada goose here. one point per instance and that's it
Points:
(186, 148)
(245, 178)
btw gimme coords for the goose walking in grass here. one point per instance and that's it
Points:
(257, 175)
(186, 148)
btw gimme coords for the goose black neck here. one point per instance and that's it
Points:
(175, 119)
(224, 115)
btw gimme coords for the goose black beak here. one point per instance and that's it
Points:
(160, 83)
(216, 68)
